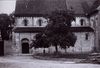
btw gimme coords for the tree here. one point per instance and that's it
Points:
(58, 30)
(5, 22)
(12, 18)
(40, 42)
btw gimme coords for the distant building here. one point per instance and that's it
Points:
(29, 20)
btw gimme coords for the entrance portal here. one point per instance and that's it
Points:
(25, 48)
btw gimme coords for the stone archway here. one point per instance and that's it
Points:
(25, 46)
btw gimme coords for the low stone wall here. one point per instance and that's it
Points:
(8, 47)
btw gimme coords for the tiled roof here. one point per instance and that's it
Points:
(96, 4)
(80, 6)
(44, 7)
(28, 29)
(81, 29)
(41, 29)
(38, 7)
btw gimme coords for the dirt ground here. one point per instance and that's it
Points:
(30, 62)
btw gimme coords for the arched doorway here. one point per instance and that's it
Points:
(25, 46)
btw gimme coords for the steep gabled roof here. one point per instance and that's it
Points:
(39, 7)
(44, 7)
(95, 4)
(80, 6)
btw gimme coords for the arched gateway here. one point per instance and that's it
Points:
(25, 46)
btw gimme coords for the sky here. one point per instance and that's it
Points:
(7, 6)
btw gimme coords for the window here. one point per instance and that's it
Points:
(82, 22)
(25, 22)
(71, 7)
(86, 36)
(93, 22)
(40, 22)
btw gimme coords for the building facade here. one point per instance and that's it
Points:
(30, 20)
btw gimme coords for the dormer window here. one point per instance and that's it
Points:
(25, 22)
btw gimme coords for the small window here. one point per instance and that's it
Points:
(81, 22)
(40, 22)
(96, 18)
(71, 7)
(86, 36)
(25, 22)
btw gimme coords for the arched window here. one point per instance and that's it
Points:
(71, 8)
(82, 22)
(40, 21)
(25, 40)
(86, 36)
(25, 22)
(93, 23)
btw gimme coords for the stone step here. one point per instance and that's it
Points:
(94, 57)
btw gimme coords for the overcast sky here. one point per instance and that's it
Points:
(7, 6)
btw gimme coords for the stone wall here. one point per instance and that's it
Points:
(32, 22)
(82, 44)
(95, 19)
(8, 47)
(77, 22)
(17, 44)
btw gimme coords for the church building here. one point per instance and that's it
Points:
(29, 20)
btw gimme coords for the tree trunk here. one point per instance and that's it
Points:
(65, 50)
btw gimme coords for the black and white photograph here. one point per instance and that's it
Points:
(49, 33)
